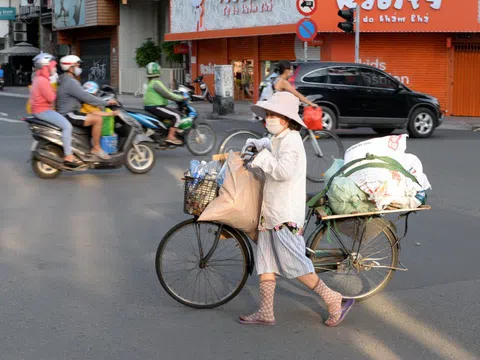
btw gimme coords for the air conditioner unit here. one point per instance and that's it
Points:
(19, 36)
(19, 26)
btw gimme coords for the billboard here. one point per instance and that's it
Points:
(68, 13)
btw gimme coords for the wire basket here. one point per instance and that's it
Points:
(198, 194)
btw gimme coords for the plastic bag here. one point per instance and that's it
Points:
(345, 197)
(240, 198)
(312, 117)
(392, 146)
(336, 166)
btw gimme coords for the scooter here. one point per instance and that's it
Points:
(203, 88)
(135, 150)
(199, 138)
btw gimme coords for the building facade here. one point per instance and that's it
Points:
(432, 46)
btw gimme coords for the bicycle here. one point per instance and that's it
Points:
(329, 140)
(341, 247)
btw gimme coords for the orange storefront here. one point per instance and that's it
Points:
(429, 45)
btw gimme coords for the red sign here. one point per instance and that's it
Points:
(307, 7)
(306, 29)
(180, 49)
(318, 41)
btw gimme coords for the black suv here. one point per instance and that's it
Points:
(355, 95)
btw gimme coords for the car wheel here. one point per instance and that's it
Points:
(329, 119)
(384, 131)
(422, 123)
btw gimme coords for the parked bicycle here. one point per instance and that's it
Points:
(321, 147)
(206, 264)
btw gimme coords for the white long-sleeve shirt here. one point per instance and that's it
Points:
(285, 169)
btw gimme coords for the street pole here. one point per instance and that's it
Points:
(40, 28)
(357, 35)
(305, 51)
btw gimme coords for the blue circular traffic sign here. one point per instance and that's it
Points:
(306, 29)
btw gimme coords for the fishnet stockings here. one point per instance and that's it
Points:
(265, 313)
(333, 300)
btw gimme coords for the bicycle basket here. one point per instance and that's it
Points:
(198, 194)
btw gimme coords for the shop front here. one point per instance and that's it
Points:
(429, 45)
(90, 31)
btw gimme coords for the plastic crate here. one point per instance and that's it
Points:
(198, 194)
(109, 143)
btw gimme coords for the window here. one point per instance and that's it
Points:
(373, 78)
(318, 76)
(344, 76)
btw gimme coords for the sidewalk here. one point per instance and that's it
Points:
(243, 113)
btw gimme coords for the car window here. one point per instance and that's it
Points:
(318, 76)
(344, 76)
(374, 78)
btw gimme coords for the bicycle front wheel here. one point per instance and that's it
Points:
(237, 140)
(321, 147)
(189, 279)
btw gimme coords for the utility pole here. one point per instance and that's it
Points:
(40, 28)
(305, 51)
(357, 35)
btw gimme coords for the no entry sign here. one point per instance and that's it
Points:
(306, 30)
(307, 7)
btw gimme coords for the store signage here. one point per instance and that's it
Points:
(7, 13)
(180, 49)
(248, 7)
(207, 69)
(382, 65)
(307, 7)
(306, 30)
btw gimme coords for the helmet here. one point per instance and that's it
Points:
(42, 59)
(68, 61)
(153, 70)
(91, 87)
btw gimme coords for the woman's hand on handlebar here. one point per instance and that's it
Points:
(113, 102)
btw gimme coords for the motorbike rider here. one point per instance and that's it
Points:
(156, 100)
(1, 75)
(70, 98)
(42, 99)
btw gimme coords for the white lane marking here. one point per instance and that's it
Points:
(3, 114)
(10, 120)
(14, 95)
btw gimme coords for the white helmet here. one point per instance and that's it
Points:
(42, 59)
(68, 61)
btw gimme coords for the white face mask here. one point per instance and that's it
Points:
(274, 126)
(77, 71)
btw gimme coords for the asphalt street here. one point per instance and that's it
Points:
(78, 281)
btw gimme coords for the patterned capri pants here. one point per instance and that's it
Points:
(283, 253)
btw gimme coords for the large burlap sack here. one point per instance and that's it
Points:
(345, 197)
(393, 146)
(239, 201)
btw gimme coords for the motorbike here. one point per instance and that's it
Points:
(206, 95)
(135, 150)
(199, 138)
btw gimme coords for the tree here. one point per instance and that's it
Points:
(148, 52)
(167, 48)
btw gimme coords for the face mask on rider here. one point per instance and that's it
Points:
(77, 71)
(274, 125)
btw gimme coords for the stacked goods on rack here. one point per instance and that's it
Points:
(376, 174)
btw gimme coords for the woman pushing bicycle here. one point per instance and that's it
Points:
(281, 246)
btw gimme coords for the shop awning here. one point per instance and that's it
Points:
(21, 49)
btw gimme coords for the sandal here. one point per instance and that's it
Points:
(244, 321)
(345, 309)
(101, 154)
(175, 142)
(73, 164)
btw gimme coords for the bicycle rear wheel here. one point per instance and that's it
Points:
(357, 273)
(321, 152)
(237, 140)
(193, 282)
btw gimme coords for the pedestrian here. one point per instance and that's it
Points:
(281, 247)
(42, 100)
(281, 83)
